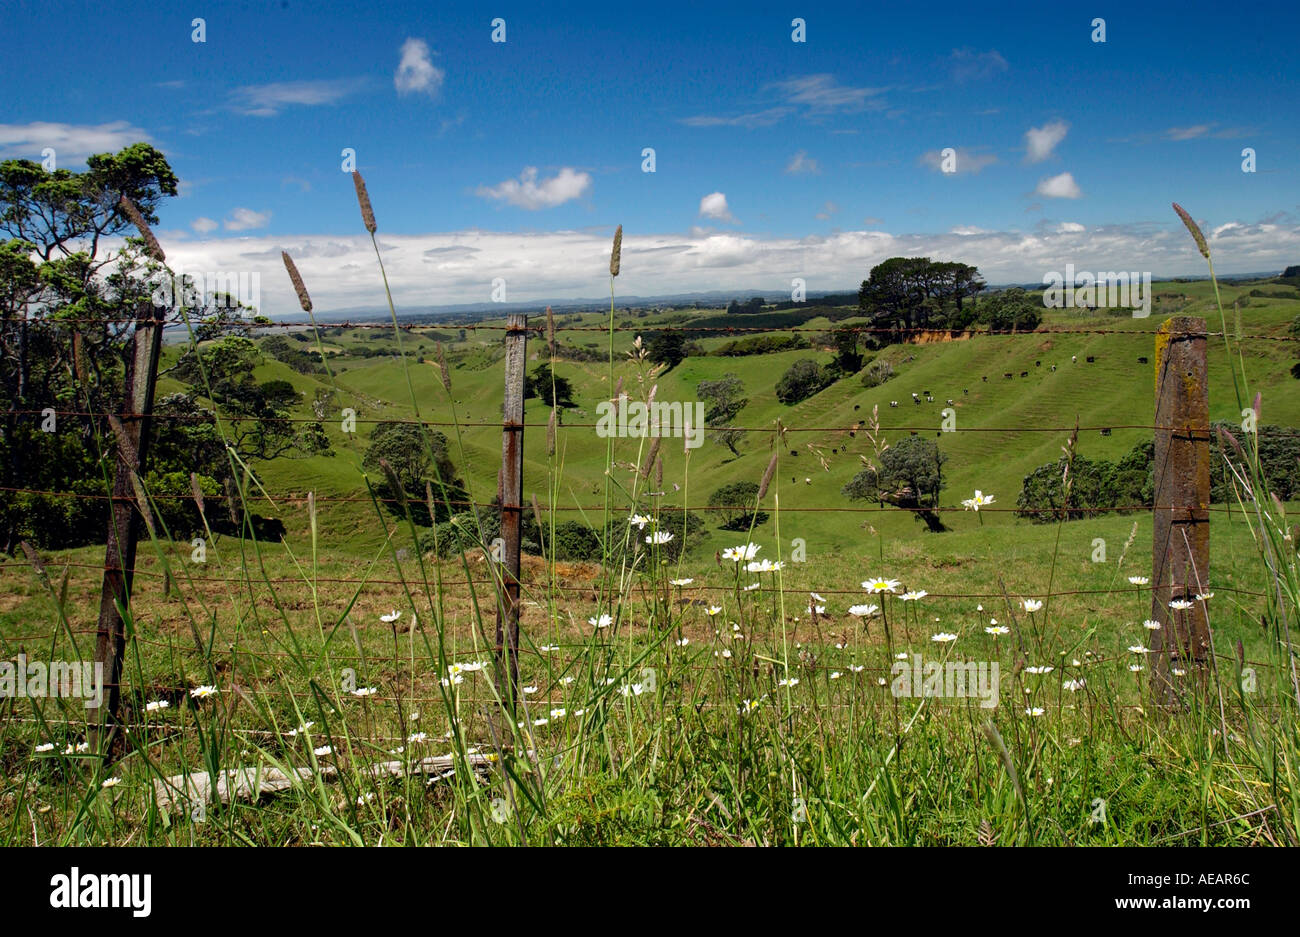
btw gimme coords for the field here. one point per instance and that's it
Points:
(703, 712)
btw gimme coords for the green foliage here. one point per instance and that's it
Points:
(877, 373)
(1012, 310)
(725, 402)
(1279, 460)
(1095, 486)
(916, 292)
(667, 348)
(556, 391)
(304, 362)
(736, 505)
(760, 345)
(910, 475)
(803, 379)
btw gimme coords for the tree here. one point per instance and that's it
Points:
(666, 347)
(556, 391)
(725, 402)
(910, 476)
(415, 454)
(1012, 310)
(803, 379)
(737, 505)
(847, 357)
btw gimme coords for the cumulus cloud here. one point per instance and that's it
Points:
(203, 225)
(244, 219)
(70, 142)
(527, 192)
(575, 264)
(1041, 141)
(1070, 227)
(1062, 186)
(416, 72)
(714, 205)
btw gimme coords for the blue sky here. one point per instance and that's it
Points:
(774, 159)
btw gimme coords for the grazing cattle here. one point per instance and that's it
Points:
(965, 390)
(1053, 368)
(916, 400)
(985, 378)
(1142, 359)
(950, 401)
(1091, 359)
(857, 406)
(1074, 359)
(1008, 374)
(893, 403)
(794, 452)
(1105, 431)
(1024, 374)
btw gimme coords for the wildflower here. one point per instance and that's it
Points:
(363, 799)
(111, 782)
(1073, 685)
(632, 689)
(913, 596)
(742, 553)
(202, 692)
(540, 721)
(1138, 580)
(997, 630)
(472, 666)
(714, 610)
(547, 648)
(1031, 605)
(863, 611)
(752, 586)
(978, 501)
(1180, 605)
(558, 713)
(418, 737)
(857, 668)
(1150, 625)
(788, 682)
(749, 705)
(1040, 668)
(639, 521)
(365, 691)
(682, 642)
(726, 653)
(901, 655)
(1135, 667)
(156, 705)
(979, 608)
(46, 747)
(817, 609)
(301, 730)
(680, 582)
(567, 680)
(943, 637)
(1034, 711)
(1204, 596)
(1139, 649)
(529, 690)
(603, 621)
(323, 750)
(880, 680)
(1179, 672)
(881, 585)
(816, 598)
(390, 617)
(658, 537)
(836, 675)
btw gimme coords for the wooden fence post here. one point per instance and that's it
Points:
(1180, 561)
(126, 512)
(510, 491)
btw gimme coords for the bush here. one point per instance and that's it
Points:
(574, 540)
(877, 373)
(803, 379)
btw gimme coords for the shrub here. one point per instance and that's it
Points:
(736, 506)
(803, 379)
(877, 373)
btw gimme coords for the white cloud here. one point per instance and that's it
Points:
(527, 192)
(1062, 186)
(764, 118)
(416, 71)
(966, 161)
(1070, 227)
(1187, 133)
(1041, 141)
(203, 225)
(967, 230)
(71, 142)
(243, 219)
(966, 64)
(339, 271)
(823, 95)
(714, 205)
(800, 163)
(268, 100)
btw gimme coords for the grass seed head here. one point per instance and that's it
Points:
(363, 199)
(296, 279)
(1195, 230)
(616, 255)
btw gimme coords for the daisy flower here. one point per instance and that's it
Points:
(1031, 605)
(1135, 667)
(680, 582)
(978, 501)
(863, 611)
(604, 621)
(997, 630)
(365, 691)
(1040, 668)
(913, 596)
(156, 705)
(1180, 605)
(943, 637)
(764, 566)
(857, 668)
(1139, 649)
(658, 537)
(749, 705)
(816, 598)
(1034, 711)
(682, 642)
(835, 675)
(1150, 625)
(639, 521)
(788, 681)
(1139, 580)
(390, 617)
(1073, 685)
(202, 692)
(741, 554)
(111, 782)
(46, 747)
(881, 585)
(714, 610)
(547, 648)
(322, 751)
(752, 586)
(1204, 596)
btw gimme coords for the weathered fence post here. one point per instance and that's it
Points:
(1180, 560)
(131, 431)
(510, 491)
